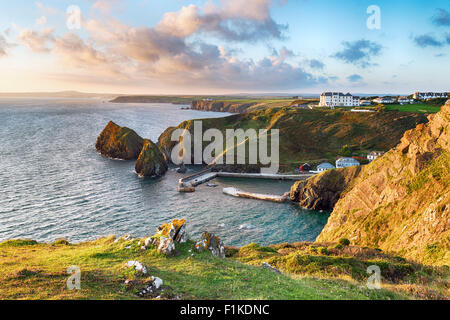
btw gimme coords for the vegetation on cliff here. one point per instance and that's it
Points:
(151, 162)
(400, 202)
(245, 105)
(119, 142)
(314, 135)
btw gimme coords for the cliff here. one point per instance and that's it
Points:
(321, 192)
(400, 202)
(119, 142)
(151, 162)
(314, 136)
(221, 106)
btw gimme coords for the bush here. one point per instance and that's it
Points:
(344, 241)
(346, 151)
(323, 251)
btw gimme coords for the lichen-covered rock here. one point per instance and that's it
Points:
(166, 246)
(138, 266)
(151, 162)
(176, 230)
(212, 243)
(321, 192)
(167, 235)
(119, 142)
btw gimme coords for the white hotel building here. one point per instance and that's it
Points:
(338, 99)
(429, 95)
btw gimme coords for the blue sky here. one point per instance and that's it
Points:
(225, 46)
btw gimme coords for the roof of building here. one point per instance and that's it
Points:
(325, 165)
(350, 160)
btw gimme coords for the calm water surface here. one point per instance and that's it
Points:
(54, 184)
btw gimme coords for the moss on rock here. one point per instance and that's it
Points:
(151, 162)
(119, 142)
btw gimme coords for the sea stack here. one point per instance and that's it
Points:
(119, 142)
(151, 162)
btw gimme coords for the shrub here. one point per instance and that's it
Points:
(324, 251)
(344, 241)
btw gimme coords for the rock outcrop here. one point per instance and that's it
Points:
(212, 243)
(119, 142)
(401, 201)
(167, 235)
(151, 162)
(321, 192)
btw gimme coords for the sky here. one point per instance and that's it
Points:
(225, 46)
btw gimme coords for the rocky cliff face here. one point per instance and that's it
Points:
(119, 142)
(401, 201)
(324, 190)
(221, 106)
(151, 162)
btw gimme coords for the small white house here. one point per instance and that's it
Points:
(384, 100)
(346, 162)
(324, 167)
(374, 154)
(405, 100)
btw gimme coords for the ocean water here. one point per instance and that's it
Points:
(54, 184)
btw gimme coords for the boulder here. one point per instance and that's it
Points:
(323, 191)
(119, 142)
(212, 243)
(167, 235)
(166, 246)
(139, 267)
(151, 162)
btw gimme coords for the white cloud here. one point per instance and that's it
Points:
(41, 21)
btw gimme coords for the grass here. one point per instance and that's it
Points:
(416, 108)
(32, 270)
(315, 136)
(350, 263)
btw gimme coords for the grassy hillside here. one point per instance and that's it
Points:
(244, 105)
(316, 135)
(31, 270)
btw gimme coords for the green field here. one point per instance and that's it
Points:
(417, 108)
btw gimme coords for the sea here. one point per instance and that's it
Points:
(54, 184)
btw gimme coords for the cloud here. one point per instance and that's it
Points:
(427, 40)
(37, 41)
(41, 21)
(359, 53)
(3, 46)
(441, 18)
(316, 64)
(173, 52)
(354, 78)
(235, 20)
